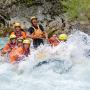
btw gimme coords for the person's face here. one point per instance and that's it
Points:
(55, 36)
(13, 40)
(17, 29)
(20, 44)
(26, 45)
(34, 22)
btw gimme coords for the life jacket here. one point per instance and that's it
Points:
(19, 34)
(11, 45)
(8, 47)
(38, 32)
(53, 41)
(16, 53)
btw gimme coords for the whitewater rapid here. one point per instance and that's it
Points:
(65, 67)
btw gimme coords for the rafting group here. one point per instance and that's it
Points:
(19, 42)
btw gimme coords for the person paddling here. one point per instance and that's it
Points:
(36, 32)
(21, 51)
(10, 45)
(54, 41)
(17, 52)
(26, 46)
(18, 31)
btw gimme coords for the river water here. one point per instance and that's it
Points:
(65, 67)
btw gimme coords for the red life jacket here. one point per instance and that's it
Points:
(53, 41)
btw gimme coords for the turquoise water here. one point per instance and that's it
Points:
(3, 41)
(65, 67)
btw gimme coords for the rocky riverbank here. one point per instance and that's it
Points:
(51, 14)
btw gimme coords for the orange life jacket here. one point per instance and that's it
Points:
(8, 47)
(38, 32)
(15, 54)
(19, 34)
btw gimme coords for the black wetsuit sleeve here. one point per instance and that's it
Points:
(41, 27)
(31, 30)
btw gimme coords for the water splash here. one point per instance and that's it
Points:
(59, 68)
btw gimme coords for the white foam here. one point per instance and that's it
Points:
(68, 67)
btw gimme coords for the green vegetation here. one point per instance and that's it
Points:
(74, 9)
(77, 9)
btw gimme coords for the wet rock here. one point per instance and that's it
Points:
(49, 13)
